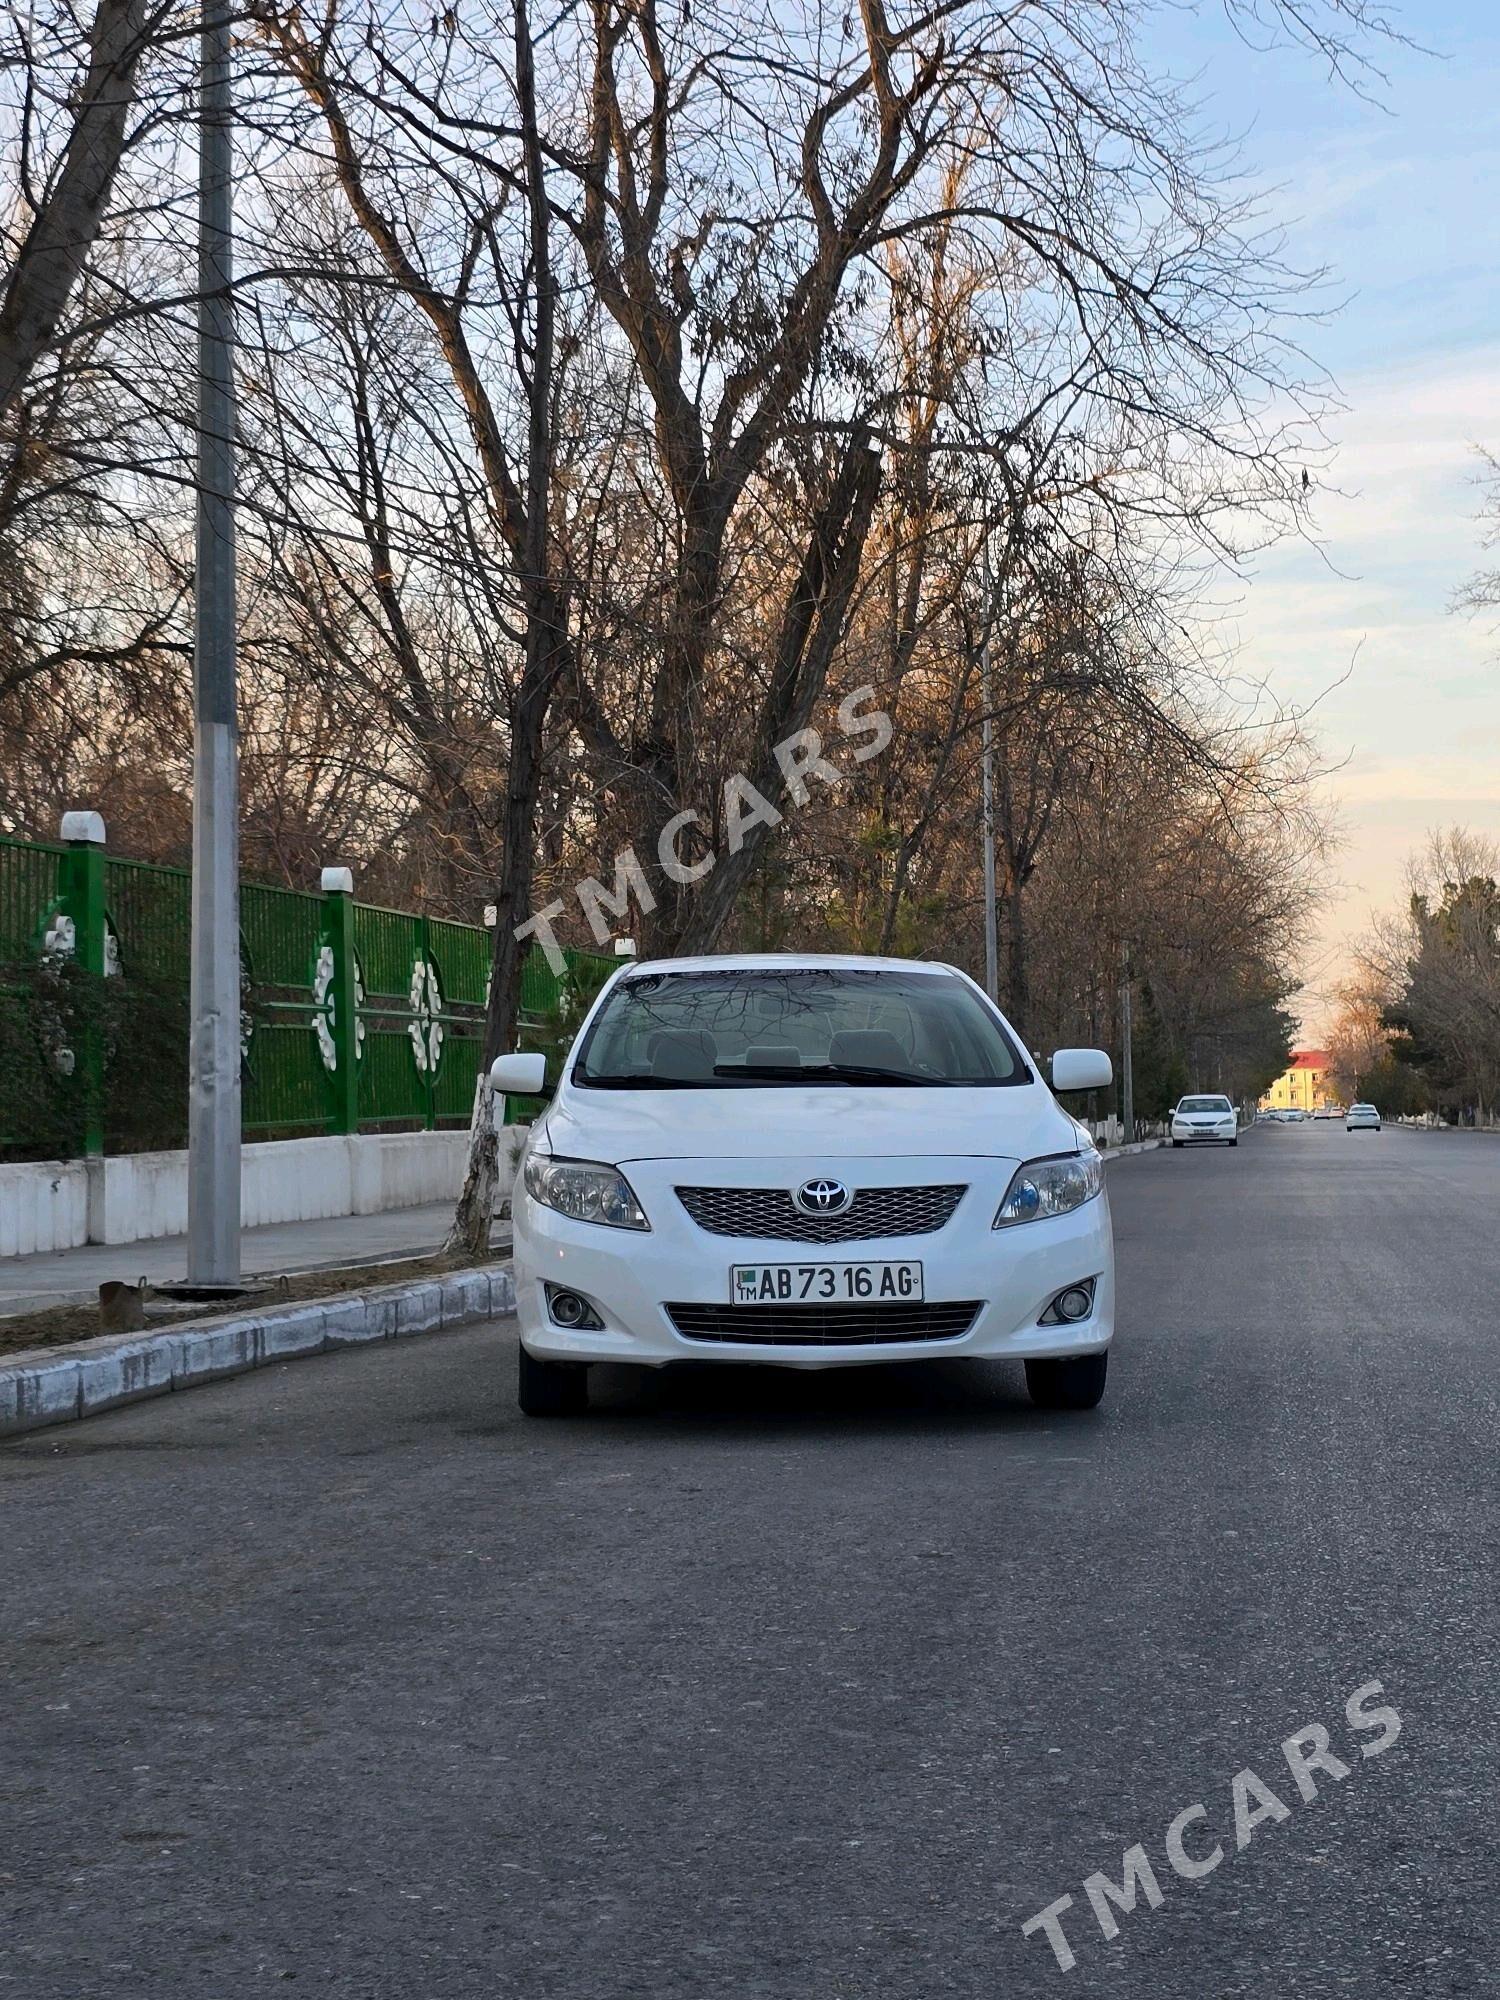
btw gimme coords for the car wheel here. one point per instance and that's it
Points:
(1234, 1142)
(552, 1388)
(1176, 1145)
(1073, 1382)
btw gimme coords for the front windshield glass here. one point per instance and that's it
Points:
(1205, 1104)
(726, 1030)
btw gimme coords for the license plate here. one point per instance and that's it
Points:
(817, 1284)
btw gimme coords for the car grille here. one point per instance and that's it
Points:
(824, 1325)
(771, 1213)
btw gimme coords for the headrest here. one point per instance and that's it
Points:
(869, 1048)
(682, 1053)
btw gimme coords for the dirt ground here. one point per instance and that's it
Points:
(56, 1326)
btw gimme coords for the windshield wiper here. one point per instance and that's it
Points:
(824, 1073)
(742, 1073)
(641, 1080)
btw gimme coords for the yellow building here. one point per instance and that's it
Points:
(1303, 1087)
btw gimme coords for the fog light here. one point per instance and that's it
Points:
(568, 1309)
(1076, 1302)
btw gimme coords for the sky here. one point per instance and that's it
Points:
(1399, 199)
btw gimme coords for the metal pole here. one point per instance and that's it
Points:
(987, 771)
(214, 1051)
(1127, 1052)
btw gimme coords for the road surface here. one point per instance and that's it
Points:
(796, 1688)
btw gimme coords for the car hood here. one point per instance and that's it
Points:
(828, 1121)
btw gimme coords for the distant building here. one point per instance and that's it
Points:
(1303, 1087)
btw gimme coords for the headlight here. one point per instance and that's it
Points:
(1050, 1187)
(583, 1190)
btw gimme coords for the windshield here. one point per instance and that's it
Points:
(726, 1030)
(1205, 1104)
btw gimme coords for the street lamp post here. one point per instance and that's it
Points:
(1127, 1051)
(214, 1047)
(987, 783)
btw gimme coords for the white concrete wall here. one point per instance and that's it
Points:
(44, 1205)
(55, 1204)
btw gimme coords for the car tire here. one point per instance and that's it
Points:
(1068, 1382)
(1177, 1145)
(552, 1388)
(1234, 1142)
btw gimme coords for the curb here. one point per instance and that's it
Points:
(58, 1385)
(1124, 1152)
(1459, 1131)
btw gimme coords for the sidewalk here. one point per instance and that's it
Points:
(73, 1277)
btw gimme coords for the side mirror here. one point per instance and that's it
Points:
(519, 1075)
(1081, 1069)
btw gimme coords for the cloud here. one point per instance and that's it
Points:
(1417, 718)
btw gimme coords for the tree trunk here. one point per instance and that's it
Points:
(468, 1237)
(1017, 972)
(63, 231)
(669, 760)
(812, 625)
(469, 1234)
(547, 654)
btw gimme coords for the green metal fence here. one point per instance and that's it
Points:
(354, 1018)
(28, 894)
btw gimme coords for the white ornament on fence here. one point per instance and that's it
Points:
(426, 1027)
(322, 992)
(61, 941)
(325, 1008)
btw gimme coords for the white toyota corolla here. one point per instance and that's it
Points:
(808, 1162)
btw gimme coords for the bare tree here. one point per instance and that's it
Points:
(518, 478)
(1439, 961)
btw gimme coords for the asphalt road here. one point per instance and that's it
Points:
(794, 1687)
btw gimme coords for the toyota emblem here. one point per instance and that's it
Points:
(822, 1197)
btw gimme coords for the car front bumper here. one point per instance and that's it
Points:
(629, 1276)
(1205, 1135)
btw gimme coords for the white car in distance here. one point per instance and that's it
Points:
(808, 1162)
(1205, 1121)
(1361, 1118)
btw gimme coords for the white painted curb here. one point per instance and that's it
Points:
(55, 1385)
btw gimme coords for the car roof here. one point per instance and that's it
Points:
(790, 961)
